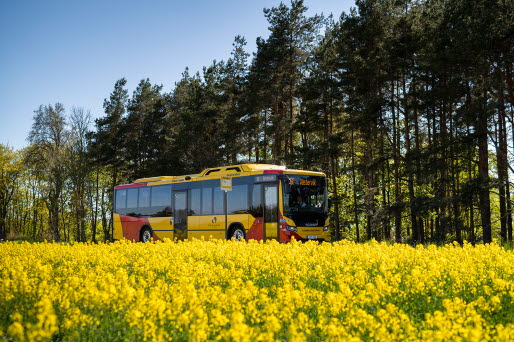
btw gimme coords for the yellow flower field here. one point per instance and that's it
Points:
(237, 291)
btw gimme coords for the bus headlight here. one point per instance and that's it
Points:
(325, 229)
(291, 228)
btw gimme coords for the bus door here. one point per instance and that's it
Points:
(180, 214)
(271, 225)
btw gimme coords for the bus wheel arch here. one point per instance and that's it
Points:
(236, 231)
(145, 234)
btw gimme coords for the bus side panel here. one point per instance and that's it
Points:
(256, 231)
(239, 218)
(161, 227)
(209, 227)
(132, 226)
(193, 226)
(118, 229)
(203, 227)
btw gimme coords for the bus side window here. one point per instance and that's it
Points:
(132, 197)
(219, 201)
(161, 200)
(144, 197)
(237, 200)
(121, 201)
(144, 201)
(256, 207)
(194, 201)
(207, 201)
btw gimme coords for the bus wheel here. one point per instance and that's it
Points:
(146, 234)
(237, 233)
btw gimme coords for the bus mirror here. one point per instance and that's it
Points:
(329, 202)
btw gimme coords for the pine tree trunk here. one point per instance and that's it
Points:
(104, 219)
(471, 212)
(441, 227)
(509, 213)
(483, 174)
(370, 195)
(396, 160)
(265, 137)
(354, 186)
(503, 175)
(95, 211)
(410, 171)
(3, 234)
(501, 180)
(386, 191)
(329, 129)
(336, 197)
(421, 232)
(455, 180)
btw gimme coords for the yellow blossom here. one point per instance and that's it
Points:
(255, 291)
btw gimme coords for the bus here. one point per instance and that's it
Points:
(248, 201)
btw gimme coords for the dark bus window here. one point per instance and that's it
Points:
(132, 198)
(256, 205)
(237, 200)
(219, 201)
(161, 200)
(121, 199)
(206, 201)
(161, 196)
(144, 197)
(195, 201)
(211, 171)
(305, 194)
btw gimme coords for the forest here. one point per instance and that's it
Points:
(406, 105)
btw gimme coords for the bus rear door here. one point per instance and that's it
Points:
(180, 214)
(271, 225)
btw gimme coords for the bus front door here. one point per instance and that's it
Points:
(180, 214)
(271, 212)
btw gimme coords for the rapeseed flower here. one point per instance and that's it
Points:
(254, 291)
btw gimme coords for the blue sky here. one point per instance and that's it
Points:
(74, 51)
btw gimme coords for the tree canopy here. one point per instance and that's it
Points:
(408, 106)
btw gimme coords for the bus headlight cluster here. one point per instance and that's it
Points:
(291, 228)
(325, 229)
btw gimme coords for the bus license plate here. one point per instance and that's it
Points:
(312, 237)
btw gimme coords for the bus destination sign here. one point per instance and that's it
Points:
(265, 178)
(303, 181)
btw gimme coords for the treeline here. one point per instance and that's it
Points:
(406, 105)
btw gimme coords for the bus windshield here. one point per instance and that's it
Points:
(305, 194)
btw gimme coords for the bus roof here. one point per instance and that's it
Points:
(232, 170)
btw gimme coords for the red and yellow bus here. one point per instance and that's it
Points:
(248, 201)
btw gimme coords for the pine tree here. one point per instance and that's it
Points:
(107, 140)
(278, 70)
(106, 145)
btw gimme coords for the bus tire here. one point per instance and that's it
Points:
(237, 233)
(146, 234)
